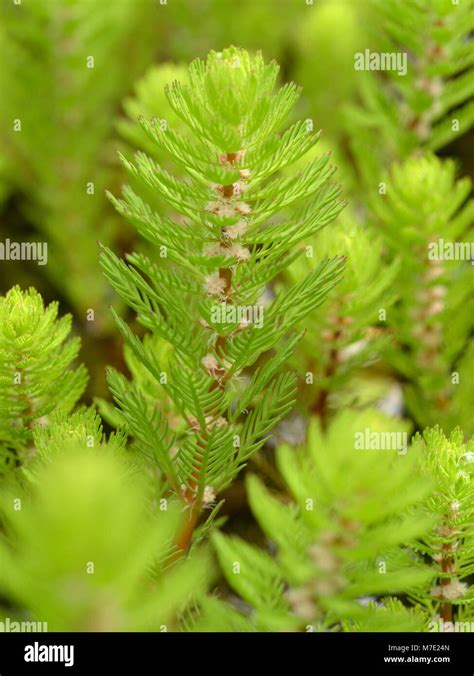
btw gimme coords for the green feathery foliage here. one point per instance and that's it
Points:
(36, 374)
(66, 556)
(341, 542)
(236, 225)
(449, 463)
(431, 104)
(425, 219)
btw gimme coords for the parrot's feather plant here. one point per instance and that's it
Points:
(364, 527)
(449, 463)
(37, 377)
(431, 103)
(425, 219)
(72, 501)
(235, 225)
(340, 541)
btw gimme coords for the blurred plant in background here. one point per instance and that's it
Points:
(428, 107)
(85, 552)
(65, 66)
(340, 343)
(424, 211)
(339, 544)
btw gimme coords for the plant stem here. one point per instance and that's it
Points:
(184, 539)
